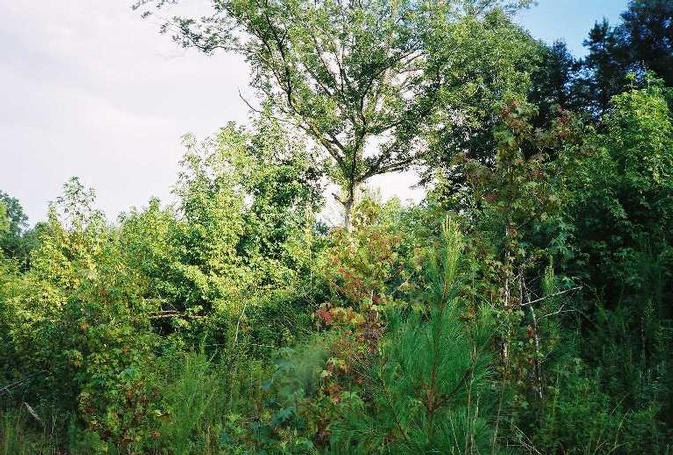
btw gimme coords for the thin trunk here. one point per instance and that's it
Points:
(348, 209)
(348, 203)
(536, 360)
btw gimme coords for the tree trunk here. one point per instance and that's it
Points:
(348, 209)
(348, 202)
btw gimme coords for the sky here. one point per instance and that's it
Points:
(89, 89)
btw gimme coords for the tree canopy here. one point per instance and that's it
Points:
(361, 79)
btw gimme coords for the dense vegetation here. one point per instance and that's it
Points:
(523, 307)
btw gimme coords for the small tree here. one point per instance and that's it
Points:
(429, 386)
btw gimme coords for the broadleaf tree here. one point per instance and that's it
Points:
(357, 77)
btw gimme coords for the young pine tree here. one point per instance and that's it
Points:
(429, 385)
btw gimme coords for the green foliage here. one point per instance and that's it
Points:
(4, 219)
(201, 398)
(16, 437)
(372, 263)
(369, 76)
(240, 237)
(622, 196)
(15, 239)
(428, 386)
(522, 307)
(640, 43)
(481, 62)
(83, 340)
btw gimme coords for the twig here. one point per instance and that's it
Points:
(550, 296)
(171, 314)
(33, 413)
(13, 385)
(238, 324)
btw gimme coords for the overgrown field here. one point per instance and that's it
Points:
(524, 307)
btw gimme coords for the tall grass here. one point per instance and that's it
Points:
(201, 397)
(18, 436)
(193, 399)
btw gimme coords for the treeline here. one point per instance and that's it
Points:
(523, 307)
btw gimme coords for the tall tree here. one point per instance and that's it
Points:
(555, 83)
(606, 65)
(646, 32)
(641, 42)
(356, 76)
(483, 63)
